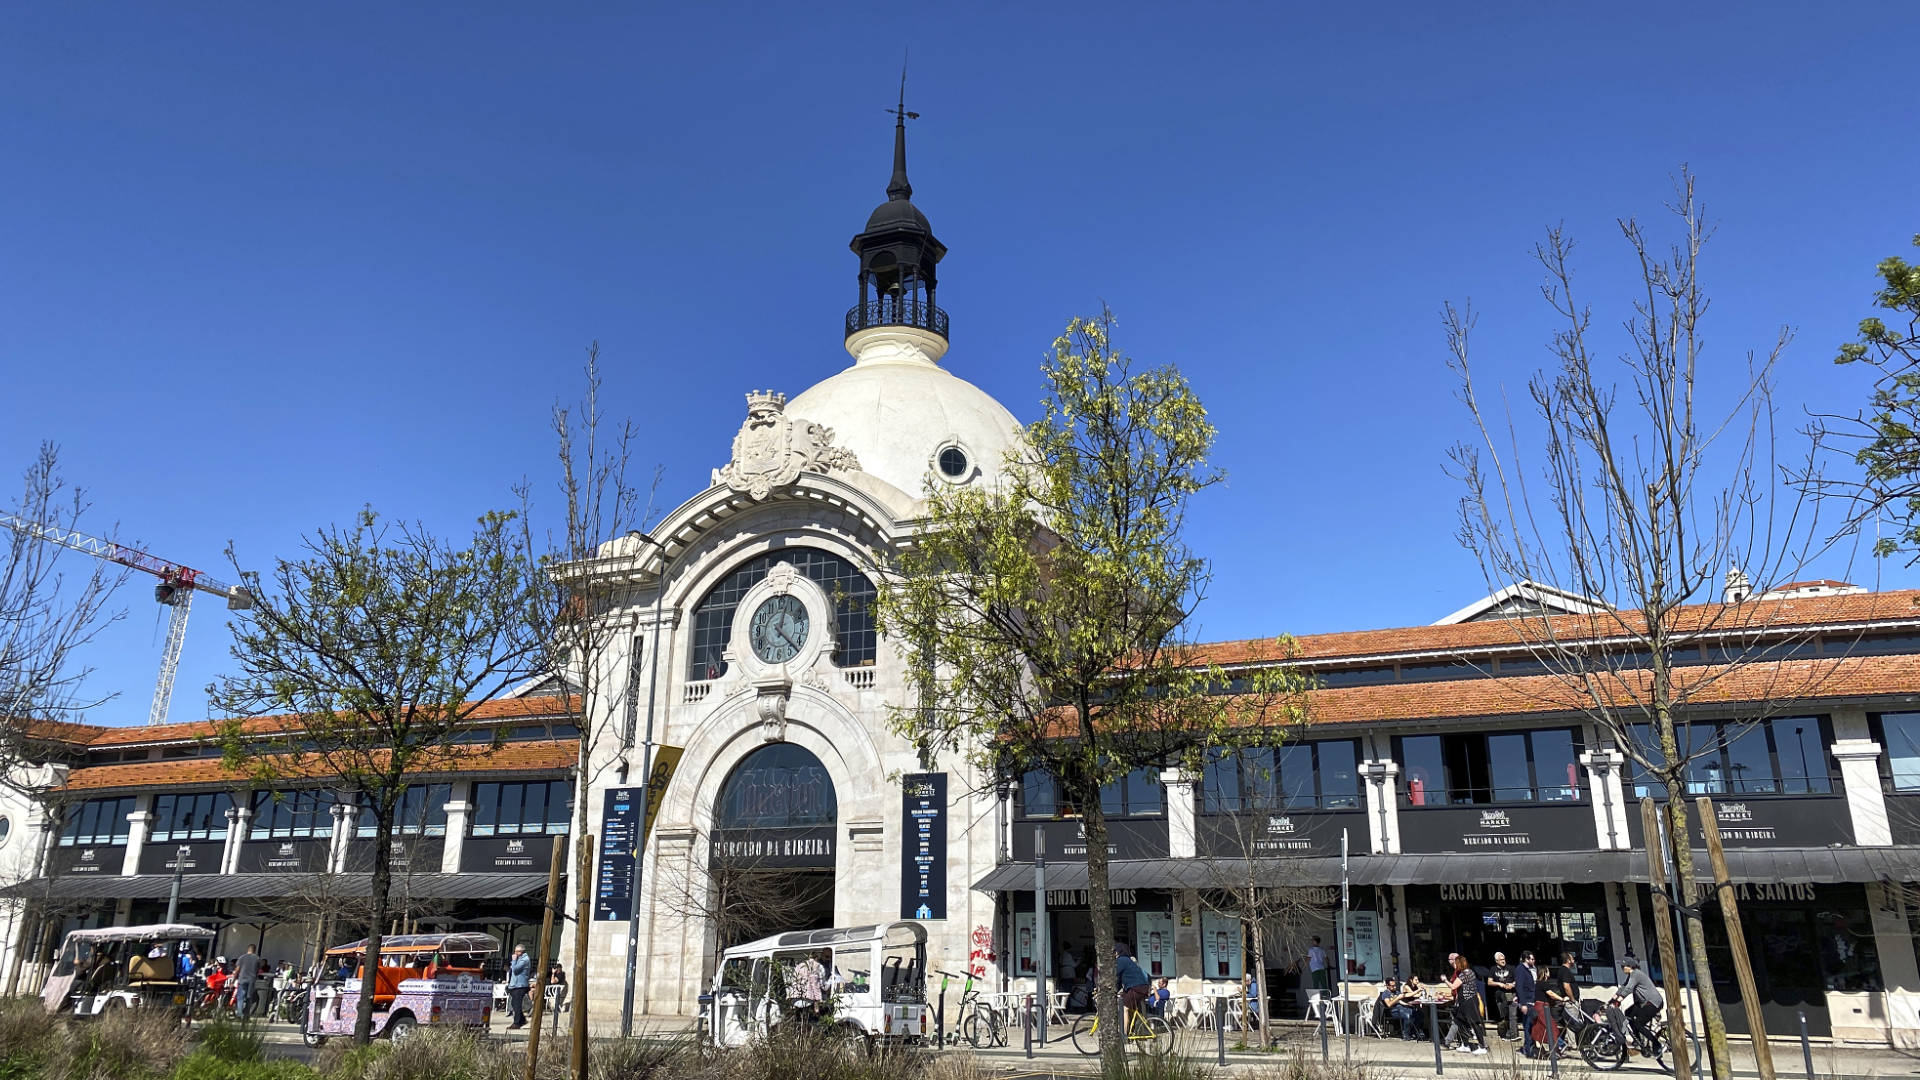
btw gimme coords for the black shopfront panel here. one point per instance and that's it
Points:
(508, 854)
(1278, 834)
(1127, 838)
(407, 854)
(1525, 827)
(1809, 821)
(90, 859)
(165, 857)
(284, 856)
(1477, 919)
(1804, 939)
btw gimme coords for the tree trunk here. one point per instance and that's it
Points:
(1106, 992)
(376, 920)
(577, 990)
(1680, 844)
(1254, 999)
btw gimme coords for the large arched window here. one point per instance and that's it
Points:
(855, 643)
(779, 786)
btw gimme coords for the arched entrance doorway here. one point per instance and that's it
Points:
(773, 846)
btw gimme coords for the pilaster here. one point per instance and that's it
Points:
(1181, 843)
(1608, 792)
(344, 815)
(139, 823)
(1383, 805)
(239, 822)
(1866, 802)
(459, 813)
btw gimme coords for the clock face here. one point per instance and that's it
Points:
(778, 629)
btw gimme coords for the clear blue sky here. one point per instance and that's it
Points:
(262, 266)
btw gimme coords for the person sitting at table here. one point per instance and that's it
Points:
(1158, 1000)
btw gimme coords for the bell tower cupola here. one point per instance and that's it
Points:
(896, 319)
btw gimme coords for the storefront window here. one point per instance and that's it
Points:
(1138, 794)
(534, 807)
(178, 818)
(1497, 767)
(422, 812)
(96, 821)
(1294, 776)
(1900, 734)
(1783, 756)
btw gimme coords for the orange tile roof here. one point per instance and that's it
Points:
(194, 731)
(1754, 616)
(543, 756)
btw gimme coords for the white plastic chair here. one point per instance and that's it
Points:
(1320, 1008)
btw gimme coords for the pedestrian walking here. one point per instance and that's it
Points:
(1525, 994)
(1468, 1019)
(246, 977)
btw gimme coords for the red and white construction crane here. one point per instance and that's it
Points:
(177, 585)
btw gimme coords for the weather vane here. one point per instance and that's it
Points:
(900, 113)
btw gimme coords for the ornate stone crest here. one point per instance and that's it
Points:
(772, 451)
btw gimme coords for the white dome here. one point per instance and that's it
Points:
(898, 411)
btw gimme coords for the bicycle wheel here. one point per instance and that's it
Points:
(973, 1028)
(1159, 1036)
(1086, 1034)
(1603, 1047)
(999, 1022)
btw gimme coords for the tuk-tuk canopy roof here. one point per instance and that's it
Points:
(848, 935)
(150, 933)
(424, 943)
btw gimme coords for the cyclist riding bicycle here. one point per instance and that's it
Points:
(1641, 1000)
(1133, 981)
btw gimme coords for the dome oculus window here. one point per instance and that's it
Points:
(953, 463)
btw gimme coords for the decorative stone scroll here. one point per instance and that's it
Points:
(771, 451)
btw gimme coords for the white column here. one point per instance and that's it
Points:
(1383, 805)
(138, 824)
(239, 821)
(459, 811)
(1860, 777)
(344, 816)
(1181, 842)
(1604, 782)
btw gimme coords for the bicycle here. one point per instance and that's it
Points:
(1152, 1034)
(1604, 1044)
(977, 1021)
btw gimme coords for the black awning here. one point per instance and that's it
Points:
(1537, 867)
(1807, 865)
(359, 886)
(93, 887)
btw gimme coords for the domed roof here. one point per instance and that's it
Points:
(895, 214)
(901, 417)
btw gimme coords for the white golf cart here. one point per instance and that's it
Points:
(867, 984)
(120, 967)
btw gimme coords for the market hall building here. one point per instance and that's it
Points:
(750, 680)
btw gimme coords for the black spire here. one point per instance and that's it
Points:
(898, 187)
(898, 251)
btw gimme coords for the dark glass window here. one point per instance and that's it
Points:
(518, 808)
(1489, 767)
(1293, 776)
(1137, 794)
(780, 786)
(422, 812)
(1373, 676)
(292, 815)
(1871, 645)
(1783, 756)
(96, 821)
(179, 818)
(1900, 734)
(1448, 669)
(855, 643)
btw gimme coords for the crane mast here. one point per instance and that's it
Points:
(177, 585)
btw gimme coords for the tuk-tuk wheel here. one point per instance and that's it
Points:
(313, 1039)
(855, 1042)
(400, 1029)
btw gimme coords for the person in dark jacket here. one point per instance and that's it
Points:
(1524, 995)
(1469, 1019)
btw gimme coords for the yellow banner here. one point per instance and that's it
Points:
(665, 760)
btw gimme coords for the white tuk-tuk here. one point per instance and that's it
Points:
(120, 967)
(867, 984)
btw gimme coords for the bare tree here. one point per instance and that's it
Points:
(590, 653)
(48, 615)
(1648, 505)
(735, 897)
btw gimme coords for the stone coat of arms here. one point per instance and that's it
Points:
(771, 450)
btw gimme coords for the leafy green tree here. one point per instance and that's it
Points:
(1044, 617)
(1886, 437)
(371, 653)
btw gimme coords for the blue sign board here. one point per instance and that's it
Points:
(619, 843)
(923, 847)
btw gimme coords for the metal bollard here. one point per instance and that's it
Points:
(1220, 1028)
(1433, 1028)
(1553, 1044)
(1026, 1031)
(1806, 1048)
(1325, 1009)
